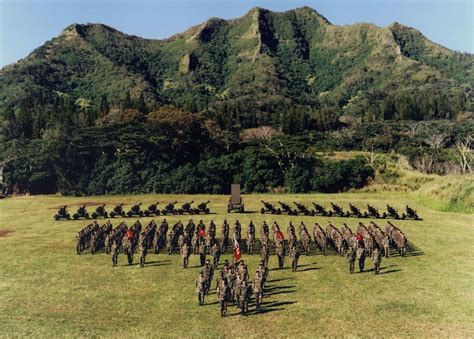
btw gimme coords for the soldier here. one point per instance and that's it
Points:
(245, 295)
(223, 295)
(258, 290)
(202, 251)
(170, 242)
(294, 254)
(181, 243)
(195, 242)
(216, 254)
(360, 255)
(208, 272)
(265, 254)
(377, 259)
(200, 288)
(186, 252)
(224, 236)
(115, 252)
(351, 257)
(142, 248)
(250, 237)
(280, 252)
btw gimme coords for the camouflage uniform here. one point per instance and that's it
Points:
(186, 252)
(223, 295)
(280, 252)
(202, 251)
(115, 252)
(169, 243)
(294, 254)
(208, 272)
(200, 289)
(351, 257)
(258, 290)
(360, 255)
(216, 254)
(377, 259)
(265, 254)
(142, 249)
(245, 295)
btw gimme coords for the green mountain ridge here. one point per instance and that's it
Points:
(264, 68)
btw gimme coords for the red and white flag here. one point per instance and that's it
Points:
(237, 253)
(202, 233)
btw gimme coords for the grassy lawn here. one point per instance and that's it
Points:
(47, 290)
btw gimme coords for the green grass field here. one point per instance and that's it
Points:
(47, 290)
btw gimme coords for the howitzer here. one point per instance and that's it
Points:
(186, 208)
(202, 208)
(391, 213)
(117, 211)
(355, 212)
(169, 209)
(372, 212)
(152, 210)
(81, 213)
(337, 210)
(410, 214)
(135, 211)
(62, 214)
(99, 212)
(269, 208)
(303, 209)
(286, 209)
(320, 210)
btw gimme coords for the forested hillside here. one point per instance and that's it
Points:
(252, 100)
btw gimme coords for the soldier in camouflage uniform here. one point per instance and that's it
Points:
(186, 252)
(169, 242)
(360, 255)
(377, 259)
(265, 254)
(280, 252)
(202, 251)
(294, 254)
(208, 272)
(250, 237)
(142, 248)
(216, 254)
(258, 290)
(351, 257)
(225, 236)
(245, 295)
(200, 288)
(223, 295)
(114, 249)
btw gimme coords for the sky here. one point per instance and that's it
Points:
(27, 24)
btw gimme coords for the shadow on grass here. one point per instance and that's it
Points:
(274, 288)
(278, 280)
(308, 269)
(269, 294)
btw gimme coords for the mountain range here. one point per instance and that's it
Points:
(264, 68)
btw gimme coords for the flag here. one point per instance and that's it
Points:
(130, 234)
(202, 233)
(280, 235)
(237, 253)
(359, 237)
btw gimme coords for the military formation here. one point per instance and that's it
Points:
(338, 211)
(134, 211)
(233, 283)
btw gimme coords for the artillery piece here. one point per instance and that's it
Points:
(320, 210)
(117, 211)
(202, 208)
(169, 209)
(372, 212)
(410, 214)
(62, 214)
(286, 209)
(355, 212)
(152, 210)
(135, 211)
(186, 208)
(302, 209)
(81, 213)
(338, 211)
(391, 213)
(269, 208)
(100, 212)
